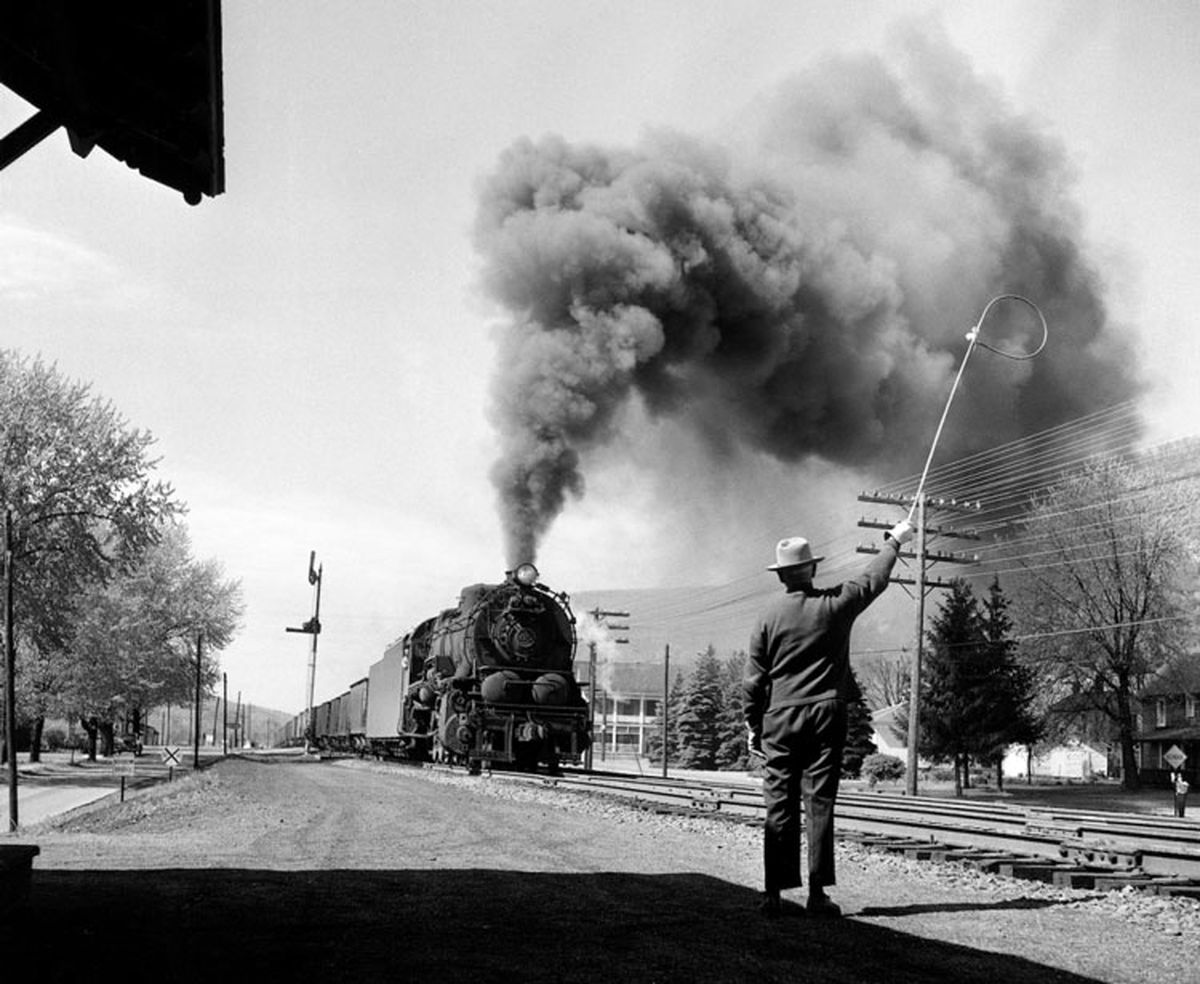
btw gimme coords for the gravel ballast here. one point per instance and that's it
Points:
(355, 868)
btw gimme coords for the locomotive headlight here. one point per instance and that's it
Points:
(526, 575)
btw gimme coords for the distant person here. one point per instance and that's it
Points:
(796, 686)
(1181, 787)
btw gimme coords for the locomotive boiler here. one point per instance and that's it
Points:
(488, 682)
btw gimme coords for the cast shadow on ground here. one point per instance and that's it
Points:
(916, 910)
(185, 925)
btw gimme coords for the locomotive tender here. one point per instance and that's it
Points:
(490, 681)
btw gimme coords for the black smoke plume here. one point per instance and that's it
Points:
(800, 286)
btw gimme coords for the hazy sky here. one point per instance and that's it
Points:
(312, 350)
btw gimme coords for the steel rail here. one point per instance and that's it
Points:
(1128, 848)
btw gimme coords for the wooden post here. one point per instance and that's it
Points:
(666, 694)
(196, 735)
(914, 699)
(10, 676)
(587, 756)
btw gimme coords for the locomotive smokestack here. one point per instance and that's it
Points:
(799, 288)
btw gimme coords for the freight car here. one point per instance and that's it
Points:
(490, 681)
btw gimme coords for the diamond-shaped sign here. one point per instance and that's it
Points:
(1175, 756)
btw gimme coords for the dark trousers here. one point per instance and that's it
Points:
(803, 746)
(1180, 804)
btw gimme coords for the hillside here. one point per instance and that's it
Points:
(260, 725)
(692, 618)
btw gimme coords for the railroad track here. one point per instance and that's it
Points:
(1071, 848)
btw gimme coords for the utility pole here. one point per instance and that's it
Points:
(921, 585)
(196, 730)
(598, 616)
(10, 676)
(914, 686)
(666, 695)
(312, 627)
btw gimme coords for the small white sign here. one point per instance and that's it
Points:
(1175, 756)
(170, 755)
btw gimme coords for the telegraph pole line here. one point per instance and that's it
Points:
(922, 586)
(598, 616)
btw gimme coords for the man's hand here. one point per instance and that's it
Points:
(902, 532)
(754, 741)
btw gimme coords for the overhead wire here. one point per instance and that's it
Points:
(1011, 476)
(1070, 446)
(1124, 413)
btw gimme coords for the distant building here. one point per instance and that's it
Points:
(889, 730)
(1168, 717)
(1071, 760)
(628, 706)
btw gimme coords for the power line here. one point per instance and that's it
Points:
(1018, 472)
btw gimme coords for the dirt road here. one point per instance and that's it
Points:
(324, 872)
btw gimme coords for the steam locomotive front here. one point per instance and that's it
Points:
(523, 642)
(514, 697)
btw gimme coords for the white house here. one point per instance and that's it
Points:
(1072, 760)
(887, 731)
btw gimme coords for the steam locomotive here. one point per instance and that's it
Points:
(490, 681)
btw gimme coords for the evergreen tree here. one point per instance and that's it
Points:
(732, 752)
(699, 728)
(675, 699)
(860, 740)
(951, 692)
(1009, 718)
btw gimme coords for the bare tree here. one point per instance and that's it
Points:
(884, 679)
(1103, 603)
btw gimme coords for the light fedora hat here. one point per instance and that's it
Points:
(793, 552)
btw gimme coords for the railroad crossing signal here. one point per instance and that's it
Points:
(170, 755)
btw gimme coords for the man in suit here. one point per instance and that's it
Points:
(796, 687)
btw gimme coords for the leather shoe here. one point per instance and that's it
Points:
(771, 906)
(822, 905)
